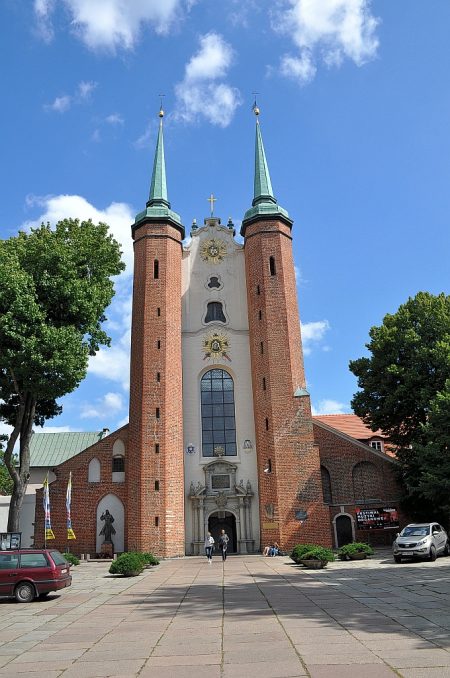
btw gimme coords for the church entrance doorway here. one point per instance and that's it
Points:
(344, 530)
(223, 520)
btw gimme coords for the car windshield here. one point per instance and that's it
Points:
(416, 531)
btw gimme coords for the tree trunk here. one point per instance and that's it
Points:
(23, 429)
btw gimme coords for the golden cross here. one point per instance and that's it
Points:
(211, 201)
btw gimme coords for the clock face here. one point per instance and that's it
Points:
(213, 251)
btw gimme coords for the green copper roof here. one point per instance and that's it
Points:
(51, 449)
(264, 203)
(158, 186)
(263, 186)
(158, 205)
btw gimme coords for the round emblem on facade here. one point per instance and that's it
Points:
(216, 347)
(213, 251)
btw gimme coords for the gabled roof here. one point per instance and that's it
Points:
(52, 449)
(350, 424)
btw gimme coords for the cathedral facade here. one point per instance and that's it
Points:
(220, 432)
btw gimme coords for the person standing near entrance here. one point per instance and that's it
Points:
(223, 544)
(209, 545)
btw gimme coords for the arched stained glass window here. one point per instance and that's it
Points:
(218, 419)
(215, 312)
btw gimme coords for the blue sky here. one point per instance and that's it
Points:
(355, 117)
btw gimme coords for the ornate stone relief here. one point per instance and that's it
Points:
(213, 251)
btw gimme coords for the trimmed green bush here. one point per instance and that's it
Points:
(319, 553)
(71, 558)
(357, 547)
(149, 559)
(127, 564)
(299, 550)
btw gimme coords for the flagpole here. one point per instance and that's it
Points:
(45, 510)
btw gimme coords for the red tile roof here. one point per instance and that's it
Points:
(351, 425)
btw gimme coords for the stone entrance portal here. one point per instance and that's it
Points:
(223, 520)
(222, 502)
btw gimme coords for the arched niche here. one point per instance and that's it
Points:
(94, 471)
(116, 509)
(119, 448)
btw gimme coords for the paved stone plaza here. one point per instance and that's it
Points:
(258, 617)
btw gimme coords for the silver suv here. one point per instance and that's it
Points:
(421, 540)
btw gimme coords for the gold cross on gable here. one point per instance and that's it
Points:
(211, 201)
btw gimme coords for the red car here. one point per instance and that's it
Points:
(29, 573)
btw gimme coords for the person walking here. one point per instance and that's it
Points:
(223, 544)
(209, 545)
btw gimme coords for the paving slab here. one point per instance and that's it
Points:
(254, 616)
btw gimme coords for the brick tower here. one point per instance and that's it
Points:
(290, 487)
(155, 473)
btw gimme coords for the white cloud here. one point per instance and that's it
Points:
(328, 31)
(199, 94)
(300, 68)
(113, 24)
(118, 216)
(82, 93)
(85, 88)
(114, 119)
(113, 363)
(328, 406)
(313, 332)
(60, 104)
(43, 10)
(108, 405)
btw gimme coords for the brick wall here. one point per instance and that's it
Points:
(284, 433)
(85, 496)
(360, 477)
(156, 516)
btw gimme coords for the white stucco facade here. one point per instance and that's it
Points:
(229, 288)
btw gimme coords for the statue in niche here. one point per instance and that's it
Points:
(240, 489)
(248, 487)
(191, 489)
(108, 529)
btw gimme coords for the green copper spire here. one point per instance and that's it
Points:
(158, 186)
(263, 186)
(158, 205)
(264, 205)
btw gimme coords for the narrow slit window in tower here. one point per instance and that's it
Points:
(157, 413)
(158, 311)
(156, 448)
(260, 315)
(264, 383)
(156, 269)
(267, 424)
(158, 376)
(273, 268)
(156, 485)
(262, 347)
(158, 344)
(215, 312)
(156, 521)
(258, 289)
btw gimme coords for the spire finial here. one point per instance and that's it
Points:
(158, 186)
(161, 110)
(255, 107)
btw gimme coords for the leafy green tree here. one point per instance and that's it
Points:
(405, 393)
(409, 366)
(54, 287)
(6, 483)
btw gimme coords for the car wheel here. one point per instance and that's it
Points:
(432, 554)
(397, 559)
(24, 592)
